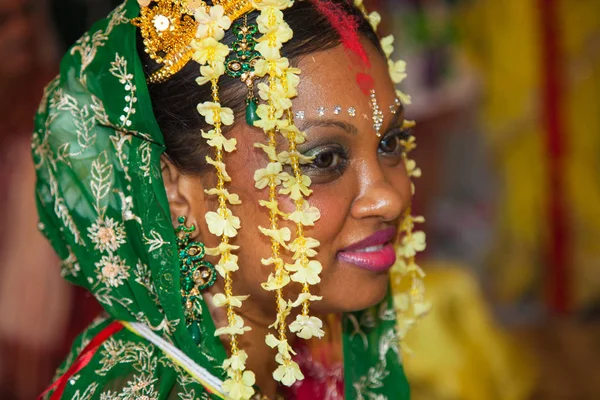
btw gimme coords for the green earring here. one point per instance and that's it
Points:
(241, 60)
(196, 275)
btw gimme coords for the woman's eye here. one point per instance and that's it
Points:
(325, 160)
(391, 144)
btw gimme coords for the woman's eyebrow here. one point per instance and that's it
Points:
(329, 123)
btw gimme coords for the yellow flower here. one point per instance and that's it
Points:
(276, 67)
(270, 151)
(220, 300)
(237, 328)
(286, 158)
(219, 141)
(275, 282)
(223, 248)
(387, 44)
(276, 95)
(223, 225)
(232, 198)
(263, 176)
(412, 169)
(227, 263)
(404, 98)
(307, 327)
(240, 388)
(209, 51)
(213, 24)
(374, 19)
(272, 205)
(219, 166)
(297, 189)
(303, 297)
(266, 122)
(210, 72)
(213, 112)
(304, 247)
(397, 70)
(306, 273)
(288, 372)
(285, 309)
(269, 50)
(413, 243)
(236, 362)
(266, 5)
(299, 136)
(281, 236)
(307, 216)
(269, 19)
(292, 81)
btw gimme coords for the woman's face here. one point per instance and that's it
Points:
(359, 180)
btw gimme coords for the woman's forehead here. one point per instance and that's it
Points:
(334, 84)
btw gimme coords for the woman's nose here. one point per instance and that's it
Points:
(383, 195)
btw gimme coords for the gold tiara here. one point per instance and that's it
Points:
(168, 28)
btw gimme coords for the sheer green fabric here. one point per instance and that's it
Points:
(103, 206)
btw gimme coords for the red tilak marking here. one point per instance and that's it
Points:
(366, 83)
(345, 25)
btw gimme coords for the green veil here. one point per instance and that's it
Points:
(103, 206)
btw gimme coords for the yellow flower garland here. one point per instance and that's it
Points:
(412, 305)
(211, 55)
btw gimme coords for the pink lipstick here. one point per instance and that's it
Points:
(375, 253)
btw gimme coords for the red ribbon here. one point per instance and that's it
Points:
(82, 360)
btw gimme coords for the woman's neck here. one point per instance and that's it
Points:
(261, 358)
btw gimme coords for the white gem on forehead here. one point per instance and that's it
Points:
(321, 111)
(393, 109)
(352, 111)
(337, 110)
(161, 23)
(300, 115)
(377, 114)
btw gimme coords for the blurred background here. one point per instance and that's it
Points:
(507, 99)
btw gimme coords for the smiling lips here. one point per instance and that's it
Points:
(375, 253)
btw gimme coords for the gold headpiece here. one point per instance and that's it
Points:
(168, 28)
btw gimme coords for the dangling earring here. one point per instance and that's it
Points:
(241, 61)
(196, 275)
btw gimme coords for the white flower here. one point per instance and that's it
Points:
(213, 112)
(276, 282)
(303, 297)
(307, 327)
(225, 224)
(240, 388)
(232, 198)
(107, 234)
(214, 24)
(277, 95)
(112, 271)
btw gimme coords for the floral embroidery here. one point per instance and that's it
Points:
(107, 235)
(112, 271)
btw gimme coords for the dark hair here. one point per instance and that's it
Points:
(174, 101)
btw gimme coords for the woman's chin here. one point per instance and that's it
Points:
(355, 298)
